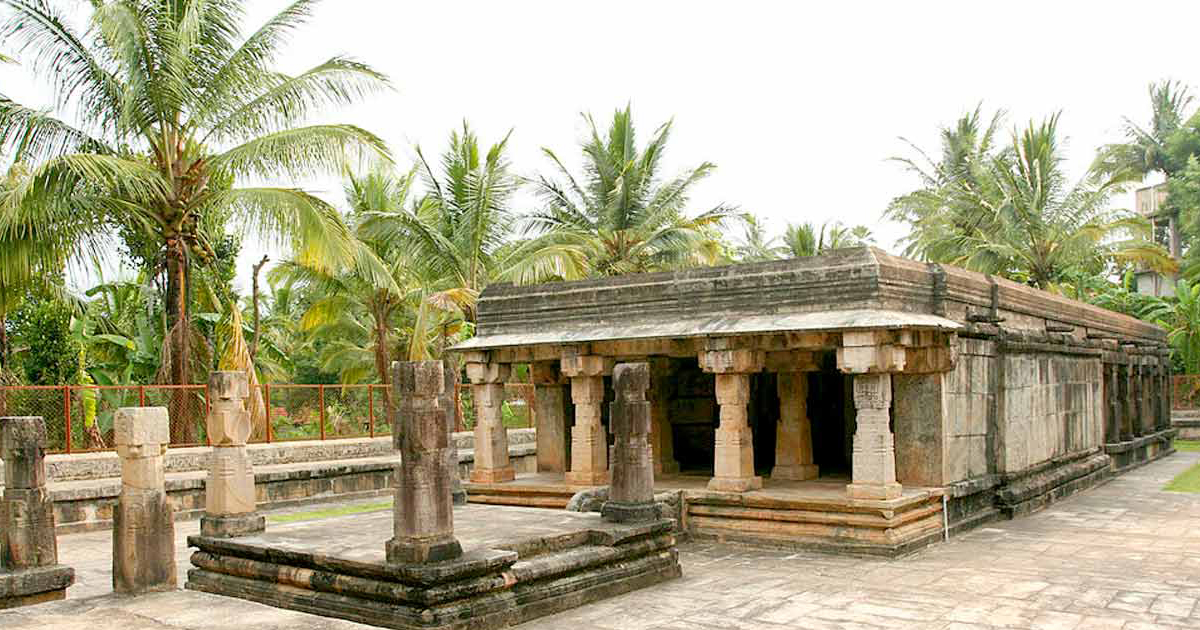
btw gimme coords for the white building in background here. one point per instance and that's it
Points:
(1151, 203)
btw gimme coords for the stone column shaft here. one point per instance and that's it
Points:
(491, 438)
(793, 438)
(449, 405)
(662, 438)
(553, 434)
(733, 465)
(229, 501)
(589, 441)
(143, 522)
(423, 513)
(631, 497)
(874, 457)
(1125, 402)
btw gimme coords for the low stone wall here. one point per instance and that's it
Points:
(105, 465)
(1141, 450)
(1187, 422)
(286, 474)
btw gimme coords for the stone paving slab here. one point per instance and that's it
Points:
(1124, 555)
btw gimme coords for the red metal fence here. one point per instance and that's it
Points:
(79, 418)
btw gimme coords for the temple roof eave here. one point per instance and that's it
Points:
(711, 326)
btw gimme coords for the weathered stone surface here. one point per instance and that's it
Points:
(29, 570)
(733, 468)
(449, 404)
(423, 524)
(491, 437)
(23, 447)
(228, 419)
(553, 418)
(143, 522)
(631, 495)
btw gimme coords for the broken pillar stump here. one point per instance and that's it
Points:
(143, 523)
(631, 497)
(423, 524)
(229, 493)
(29, 569)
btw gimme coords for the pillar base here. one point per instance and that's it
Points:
(586, 478)
(615, 512)
(879, 492)
(26, 587)
(796, 472)
(409, 551)
(233, 525)
(493, 475)
(735, 484)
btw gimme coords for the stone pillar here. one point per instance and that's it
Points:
(29, 569)
(553, 436)
(1112, 417)
(662, 438)
(143, 523)
(1125, 402)
(449, 405)
(1164, 393)
(491, 438)
(793, 438)
(423, 525)
(589, 442)
(631, 497)
(733, 455)
(873, 465)
(1149, 396)
(1137, 398)
(229, 501)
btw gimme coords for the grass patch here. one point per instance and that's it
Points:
(360, 508)
(1187, 446)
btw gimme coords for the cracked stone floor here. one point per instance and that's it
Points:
(1123, 555)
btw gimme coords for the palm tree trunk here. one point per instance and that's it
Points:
(183, 425)
(254, 298)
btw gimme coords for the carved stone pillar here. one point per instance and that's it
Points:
(733, 457)
(662, 438)
(1112, 415)
(873, 462)
(229, 493)
(29, 569)
(631, 497)
(491, 438)
(1125, 402)
(793, 437)
(1164, 394)
(143, 523)
(553, 434)
(1137, 399)
(423, 515)
(1149, 397)
(589, 441)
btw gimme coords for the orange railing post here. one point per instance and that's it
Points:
(67, 414)
(321, 404)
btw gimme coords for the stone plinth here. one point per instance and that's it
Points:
(631, 496)
(29, 569)
(873, 460)
(229, 495)
(143, 522)
(423, 523)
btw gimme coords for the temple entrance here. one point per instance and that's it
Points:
(831, 409)
(694, 415)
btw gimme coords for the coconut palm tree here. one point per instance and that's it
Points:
(806, 239)
(173, 108)
(1149, 149)
(754, 245)
(621, 216)
(1012, 212)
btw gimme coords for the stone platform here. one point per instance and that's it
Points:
(540, 562)
(813, 514)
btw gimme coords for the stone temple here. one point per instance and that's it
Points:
(854, 401)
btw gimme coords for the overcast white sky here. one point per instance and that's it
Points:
(798, 104)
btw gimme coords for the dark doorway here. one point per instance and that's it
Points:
(831, 410)
(764, 419)
(694, 415)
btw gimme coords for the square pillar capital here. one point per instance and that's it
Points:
(488, 373)
(739, 361)
(573, 365)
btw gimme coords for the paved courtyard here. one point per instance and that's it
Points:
(1124, 555)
